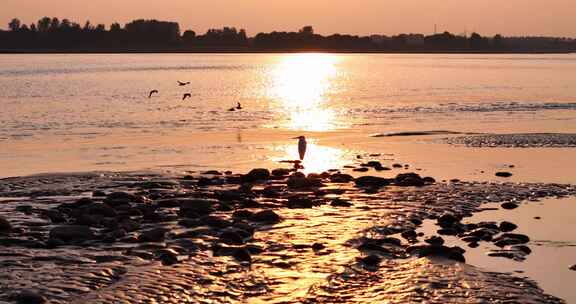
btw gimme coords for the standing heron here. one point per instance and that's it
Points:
(301, 146)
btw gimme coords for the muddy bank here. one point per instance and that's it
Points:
(531, 140)
(265, 236)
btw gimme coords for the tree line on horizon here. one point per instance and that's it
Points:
(55, 34)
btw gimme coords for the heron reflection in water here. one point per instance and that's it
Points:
(301, 151)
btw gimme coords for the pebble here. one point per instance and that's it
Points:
(509, 206)
(503, 174)
(266, 216)
(153, 235)
(255, 175)
(5, 226)
(371, 181)
(507, 226)
(72, 233)
(29, 297)
(573, 267)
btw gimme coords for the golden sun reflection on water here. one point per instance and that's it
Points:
(300, 83)
(318, 158)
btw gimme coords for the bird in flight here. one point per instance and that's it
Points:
(187, 95)
(152, 93)
(180, 83)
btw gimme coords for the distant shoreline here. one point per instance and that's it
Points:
(270, 51)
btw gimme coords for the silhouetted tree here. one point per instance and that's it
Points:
(44, 24)
(14, 25)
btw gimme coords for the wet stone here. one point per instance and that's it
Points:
(341, 178)
(5, 226)
(408, 180)
(371, 181)
(371, 260)
(28, 297)
(300, 202)
(509, 206)
(503, 174)
(281, 172)
(573, 267)
(153, 235)
(72, 233)
(340, 203)
(435, 240)
(256, 175)
(507, 226)
(266, 216)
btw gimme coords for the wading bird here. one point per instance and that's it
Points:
(187, 95)
(152, 93)
(180, 83)
(301, 146)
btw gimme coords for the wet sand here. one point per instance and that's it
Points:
(339, 242)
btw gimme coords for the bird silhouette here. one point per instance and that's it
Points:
(187, 95)
(152, 93)
(239, 107)
(232, 109)
(180, 83)
(301, 146)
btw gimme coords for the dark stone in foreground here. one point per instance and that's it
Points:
(29, 297)
(451, 253)
(5, 226)
(266, 216)
(507, 226)
(509, 206)
(573, 267)
(409, 180)
(256, 175)
(72, 233)
(503, 174)
(371, 181)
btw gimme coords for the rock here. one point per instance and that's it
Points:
(371, 260)
(196, 207)
(371, 181)
(408, 180)
(428, 180)
(5, 226)
(29, 297)
(508, 239)
(503, 174)
(167, 256)
(99, 209)
(447, 231)
(435, 240)
(26, 209)
(341, 178)
(397, 166)
(266, 216)
(229, 195)
(340, 203)
(362, 169)
(98, 193)
(214, 221)
(298, 181)
(300, 202)
(242, 214)
(452, 253)
(318, 246)
(473, 244)
(242, 255)
(256, 175)
(72, 233)
(281, 172)
(212, 172)
(447, 220)
(525, 249)
(381, 168)
(573, 267)
(153, 235)
(509, 206)
(507, 226)
(409, 234)
(122, 198)
(231, 238)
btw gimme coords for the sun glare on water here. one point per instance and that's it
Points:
(318, 158)
(300, 83)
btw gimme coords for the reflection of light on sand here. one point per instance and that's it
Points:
(299, 85)
(318, 158)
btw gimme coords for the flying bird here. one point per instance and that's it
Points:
(187, 95)
(180, 83)
(301, 146)
(239, 107)
(152, 93)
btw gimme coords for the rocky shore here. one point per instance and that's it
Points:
(264, 236)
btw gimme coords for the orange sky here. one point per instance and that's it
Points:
(509, 17)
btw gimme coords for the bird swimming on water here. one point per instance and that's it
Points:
(187, 95)
(180, 83)
(152, 93)
(301, 146)
(239, 107)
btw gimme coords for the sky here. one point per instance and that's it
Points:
(488, 17)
